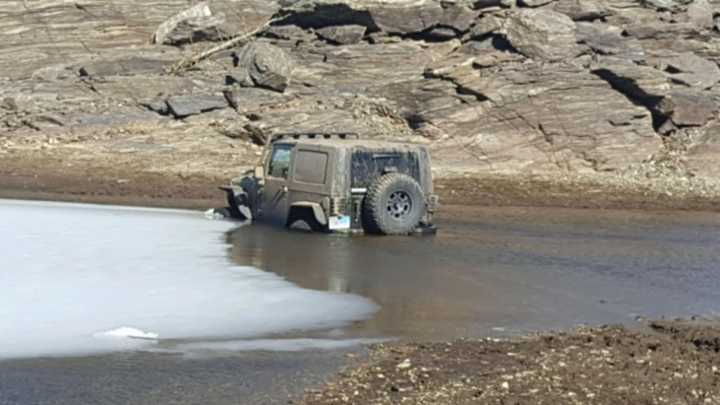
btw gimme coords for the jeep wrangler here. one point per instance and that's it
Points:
(338, 182)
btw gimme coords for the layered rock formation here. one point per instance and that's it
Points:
(549, 87)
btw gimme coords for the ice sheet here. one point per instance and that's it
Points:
(80, 279)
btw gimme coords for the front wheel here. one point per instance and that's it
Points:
(307, 217)
(394, 205)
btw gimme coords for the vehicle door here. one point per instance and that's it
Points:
(274, 199)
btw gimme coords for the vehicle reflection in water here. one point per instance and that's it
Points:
(503, 274)
(375, 267)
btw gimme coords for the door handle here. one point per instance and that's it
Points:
(284, 189)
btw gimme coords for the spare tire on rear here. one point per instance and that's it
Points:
(394, 205)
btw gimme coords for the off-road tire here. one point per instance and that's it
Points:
(394, 205)
(307, 216)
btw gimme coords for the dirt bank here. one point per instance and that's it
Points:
(668, 362)
(119, 179)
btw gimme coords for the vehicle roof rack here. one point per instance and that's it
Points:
(315, 135)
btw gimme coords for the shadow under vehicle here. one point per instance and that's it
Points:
(338, 182)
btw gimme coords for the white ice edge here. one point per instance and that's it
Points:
(84, 281)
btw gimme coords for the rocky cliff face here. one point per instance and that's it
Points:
(606, 89)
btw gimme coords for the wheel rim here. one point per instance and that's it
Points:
(399, 205)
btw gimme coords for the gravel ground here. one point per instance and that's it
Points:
(669, 362)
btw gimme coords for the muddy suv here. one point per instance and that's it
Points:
(337, 182)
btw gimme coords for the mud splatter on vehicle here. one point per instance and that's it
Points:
(337, 182)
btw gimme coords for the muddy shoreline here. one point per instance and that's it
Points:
(115, 182)
(662, 362)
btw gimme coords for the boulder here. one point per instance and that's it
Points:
(488, 24)
(692, 70)
(541, 34)
(405, 17)
(196, 30)
(243, 16)
(288, 32)
(642, 84)
(157, 106)
(581, 10)
(441, 34)
(263, 65)
(184, 106)
(688, 108)
(533, 3)
(659, 30)
(606, 39)
(700, 13)
(343, 34)
(459, 17)
(194, 24)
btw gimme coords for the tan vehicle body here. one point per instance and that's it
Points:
(323, 180)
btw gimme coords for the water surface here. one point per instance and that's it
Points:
(255, 314)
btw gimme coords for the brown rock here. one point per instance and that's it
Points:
(700, 13)
(533, 3)
(688, 108)
(693, 70)
(608, 40)
(406, 17)
(541, 34)
(194, 24)
(643, 84)
(459, 17)
(183, 106)
(581, 10)
(343, 34)
(488, 24)
(263, 65)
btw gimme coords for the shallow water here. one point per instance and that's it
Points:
(259, 313)
(508, 270)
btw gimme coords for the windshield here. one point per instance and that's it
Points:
(280, 161)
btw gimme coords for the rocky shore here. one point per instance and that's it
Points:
(552, 102)
(668, 362)
(568, 103)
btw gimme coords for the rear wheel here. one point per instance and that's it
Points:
(394, 205)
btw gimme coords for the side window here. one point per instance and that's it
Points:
(310, 166)
(280, 161)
